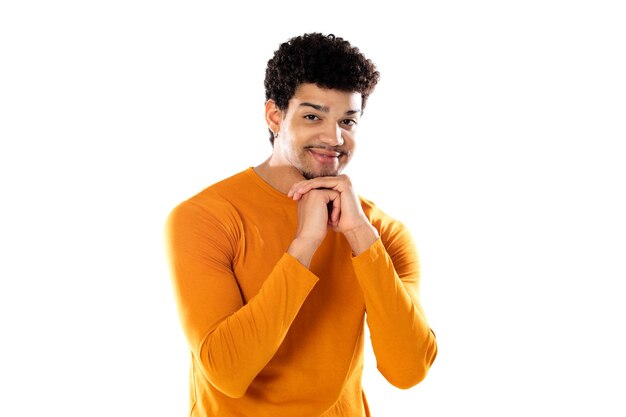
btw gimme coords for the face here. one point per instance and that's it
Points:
(317, 131)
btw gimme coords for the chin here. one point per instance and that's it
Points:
(309, 175)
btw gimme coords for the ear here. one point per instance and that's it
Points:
(273, 115)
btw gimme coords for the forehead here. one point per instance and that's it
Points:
(335, 100)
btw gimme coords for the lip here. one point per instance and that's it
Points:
(325, 156)
(325, 152)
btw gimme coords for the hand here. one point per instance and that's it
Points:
(352, 221)
(317, 210)
(351, 215)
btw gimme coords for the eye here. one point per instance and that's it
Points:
(311, 117)
(349, 122)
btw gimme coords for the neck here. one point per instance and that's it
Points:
(280, 177)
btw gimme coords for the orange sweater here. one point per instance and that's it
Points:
(269, 337)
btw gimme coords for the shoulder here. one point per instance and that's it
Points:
(209, 210)
(379, 218)
(216, 198)
(394, 234)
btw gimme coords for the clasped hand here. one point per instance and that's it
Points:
(330, 202)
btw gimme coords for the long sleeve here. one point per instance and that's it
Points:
(232, 341)
(402, 341)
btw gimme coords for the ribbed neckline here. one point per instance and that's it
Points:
(265, 186)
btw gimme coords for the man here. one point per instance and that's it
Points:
(275, 267)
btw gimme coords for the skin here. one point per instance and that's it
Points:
(315, 142)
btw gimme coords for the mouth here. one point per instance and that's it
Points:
(325, 156)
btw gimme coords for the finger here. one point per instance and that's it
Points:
(296, 195)
(336, 210)
(293, 191)
(300, 188)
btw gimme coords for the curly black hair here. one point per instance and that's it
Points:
(326, 60)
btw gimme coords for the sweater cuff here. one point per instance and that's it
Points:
(293, 267)
(370, 255)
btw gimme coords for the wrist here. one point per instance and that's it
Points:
(361, 238)
(303, 249)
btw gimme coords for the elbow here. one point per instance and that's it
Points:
(406, 378)
(225, 379)
(230, 390)
(226, 382)
(413, 372)
(223, 373)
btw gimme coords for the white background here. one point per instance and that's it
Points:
(496, 133)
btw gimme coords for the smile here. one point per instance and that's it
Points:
(325, 156)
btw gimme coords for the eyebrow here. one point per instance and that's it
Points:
(325, 109)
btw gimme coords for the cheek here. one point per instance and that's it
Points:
(349, 141)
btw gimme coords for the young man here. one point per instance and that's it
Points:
(275, 267)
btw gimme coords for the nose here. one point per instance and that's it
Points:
(332, 136)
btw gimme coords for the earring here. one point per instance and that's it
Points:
(275, 135)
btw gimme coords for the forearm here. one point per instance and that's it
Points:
(241, 345)
(231, 339)
(402, 341)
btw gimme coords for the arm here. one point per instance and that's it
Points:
(231, 341)
(403, 343)
(388, 274)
